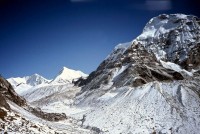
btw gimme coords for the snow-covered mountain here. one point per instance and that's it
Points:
(32, 80)
(59, 94)
(149, 85)
(67, 75)
(23, 84)
(28, 84)
(49, 95)
(35, 80)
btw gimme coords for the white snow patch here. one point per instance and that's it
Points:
(175, 67)
(108, 96)
(118, 72)
(122, 45)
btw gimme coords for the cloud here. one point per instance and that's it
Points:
(158, 4)
(152, 5)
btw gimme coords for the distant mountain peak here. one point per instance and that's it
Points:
(31, 80)
(35, 79)
(68, 75)
(65, 68)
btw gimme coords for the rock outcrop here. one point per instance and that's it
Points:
(7, 92)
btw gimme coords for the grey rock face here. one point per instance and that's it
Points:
(172, 37)
(137, 65)
(7, 92)
(47, 116)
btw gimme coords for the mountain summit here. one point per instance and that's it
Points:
(35, 79)
(32, 80)
(22, 84)
(68, 75)
(173, 38)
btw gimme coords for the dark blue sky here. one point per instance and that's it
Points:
(42, 36)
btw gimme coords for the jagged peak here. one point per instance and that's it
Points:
(32, 80)
(66, 75)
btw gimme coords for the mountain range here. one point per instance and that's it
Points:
(148, 85)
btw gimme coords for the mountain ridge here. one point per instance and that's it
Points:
(65, 76)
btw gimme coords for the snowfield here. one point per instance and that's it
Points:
(154, 107)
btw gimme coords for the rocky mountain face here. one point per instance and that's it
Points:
(133, 66)
(149, 85)
(8, 93)
(174, 38)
